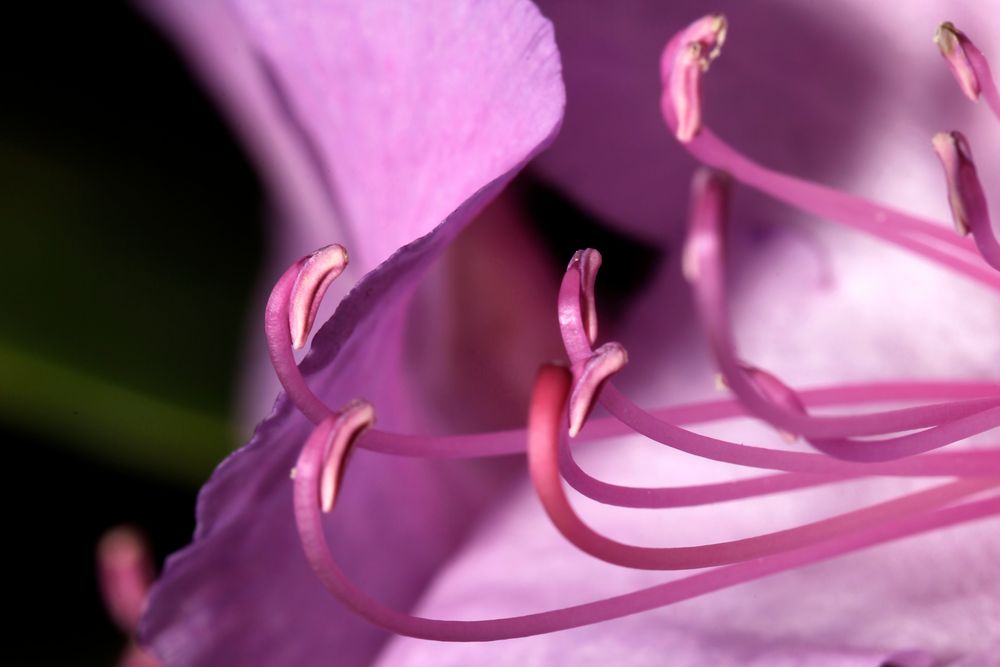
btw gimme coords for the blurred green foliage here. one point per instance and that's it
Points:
(129, 251)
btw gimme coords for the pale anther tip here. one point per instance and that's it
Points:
(606, 360)
(956, 48)
(316, 274)
(699, 44)
(946, 35)
(353, 420)
(955, 154)
(719, 382)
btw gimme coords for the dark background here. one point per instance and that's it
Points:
(131, 245)
(131, 239)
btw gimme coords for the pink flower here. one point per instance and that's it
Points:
(387, 128)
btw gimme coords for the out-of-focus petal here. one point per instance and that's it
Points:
(302, 214)
(818, 90)
(210, 36)
(421, 113)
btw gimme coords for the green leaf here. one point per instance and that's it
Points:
(109, 421)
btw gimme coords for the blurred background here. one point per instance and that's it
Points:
(131, 241)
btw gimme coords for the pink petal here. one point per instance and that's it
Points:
(420, 117)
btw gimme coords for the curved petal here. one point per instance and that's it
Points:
(210, 36)
(303, 215)
(422, 113)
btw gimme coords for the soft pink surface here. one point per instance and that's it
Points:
(417, 115)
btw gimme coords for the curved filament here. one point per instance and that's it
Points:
(704, 257)
(919, 236)
(543, 461)
(554, 385)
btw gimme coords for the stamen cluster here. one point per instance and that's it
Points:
(890, 443)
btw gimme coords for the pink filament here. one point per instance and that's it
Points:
(684, 496)
(889, 224)
(974, 463)
(861, 214)
(551, 391)
(499, 443)
(705, 259)
(578, 348)
(669, 434)
(543, 460)
(495, 444)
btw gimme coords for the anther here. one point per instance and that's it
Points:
(345, 429)
(291, 311)
(606, 360)
(695, 50)
(965, 193)
(954, 46)
(587, 262)
(316, 274)
(777, 392)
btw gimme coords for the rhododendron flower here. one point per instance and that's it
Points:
(385, 128)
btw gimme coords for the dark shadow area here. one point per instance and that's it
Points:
(131, 242)
(565, 227)
(59, 506)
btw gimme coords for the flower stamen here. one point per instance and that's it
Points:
(955, 47)
(969, 66)
(543, 461)
(606, 360)
(969, 417)
(690, 495)
(965, 194)
(578, 305)
(343, 432)
(546, 422)
(315, 276)
(289, 317)
(772, 400)
(914, 234)
(691, 54)
(499, 443)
